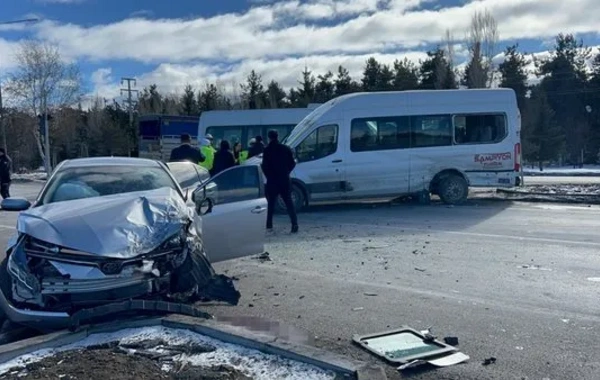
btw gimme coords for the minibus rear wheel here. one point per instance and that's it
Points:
(453, 189)
(298, 198)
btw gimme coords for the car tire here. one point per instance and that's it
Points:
(298, 199)
(453, 190)
(195, 271)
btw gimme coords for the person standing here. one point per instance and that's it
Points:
(257, 148)
(185, 152)
(208, 152)
(5, 168)
(223, 159)
(277, 164)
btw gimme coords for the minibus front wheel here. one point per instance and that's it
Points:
(453, 189)
(298, 198)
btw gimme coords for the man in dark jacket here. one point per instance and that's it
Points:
(224, 159)
(5, 167)
(277, 164)
(185, 152)
(257, 148)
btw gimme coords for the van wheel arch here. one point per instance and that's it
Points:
(449, 175)
(296, 184)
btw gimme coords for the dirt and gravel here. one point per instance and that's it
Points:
(118, 362)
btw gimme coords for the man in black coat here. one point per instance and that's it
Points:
(277, 165)
(5, 167)
(224, 159)
(185, 152)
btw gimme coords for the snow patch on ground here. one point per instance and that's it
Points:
(35, 176)
(253, 363)
(564, 189)
(565, 170)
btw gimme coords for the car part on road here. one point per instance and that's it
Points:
(410, 347)
(453, 189)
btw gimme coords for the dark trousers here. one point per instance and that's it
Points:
(283, 190)
(4, 190)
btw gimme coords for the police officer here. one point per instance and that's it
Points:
(185, 152)
(209, 152)
(277, 165)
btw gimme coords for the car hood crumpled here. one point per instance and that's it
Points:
(118, 226)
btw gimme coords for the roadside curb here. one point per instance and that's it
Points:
(222, 331)
(550, 198)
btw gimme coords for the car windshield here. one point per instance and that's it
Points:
(98, 181)
(306, 124)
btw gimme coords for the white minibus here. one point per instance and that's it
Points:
(383, 145)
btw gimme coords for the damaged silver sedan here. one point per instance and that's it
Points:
(105, 230)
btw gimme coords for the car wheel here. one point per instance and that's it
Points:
(195, 271)
(298, 200)
(453, 190)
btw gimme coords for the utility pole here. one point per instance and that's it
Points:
(130, 102)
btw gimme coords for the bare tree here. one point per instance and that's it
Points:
(43, 82)
(482, 38)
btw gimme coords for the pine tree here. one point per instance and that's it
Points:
(276, 95)
(371, 75)
(436, 71)
(513, 74)
(385, 82)
(344, 83)
(253, 92)
(325, 89)
(406, 75)
(189, 106)
(306, 91)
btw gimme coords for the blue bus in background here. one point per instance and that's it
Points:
(159, 134)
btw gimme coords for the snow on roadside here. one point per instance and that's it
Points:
(565, 170)
(253, 363)
(35, 176)
(564, 189)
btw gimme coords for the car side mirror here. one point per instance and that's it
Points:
(15, 204)
(205, 207)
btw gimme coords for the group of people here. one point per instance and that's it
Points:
(278, 162)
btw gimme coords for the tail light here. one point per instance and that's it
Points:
(517, 157)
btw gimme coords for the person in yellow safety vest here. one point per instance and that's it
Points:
(244, 153)
(209, 152)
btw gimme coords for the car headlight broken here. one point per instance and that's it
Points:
(23, 276)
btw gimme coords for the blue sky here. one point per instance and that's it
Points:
(175, 42)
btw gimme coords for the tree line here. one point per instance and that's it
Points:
(559, 101)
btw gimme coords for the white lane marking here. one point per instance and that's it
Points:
(459, 233)
(7, 227)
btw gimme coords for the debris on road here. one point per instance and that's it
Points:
(358, 308)
(489, 361)
(410, 347)
(534, 267)
(451, 340)
(420, 270)
(368, 294)
(263, 257)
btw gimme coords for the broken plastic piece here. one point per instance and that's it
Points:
(489, 361)
(451, 340)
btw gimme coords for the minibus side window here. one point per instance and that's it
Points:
(322, 142)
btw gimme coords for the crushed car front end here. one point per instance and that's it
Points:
(82, 254)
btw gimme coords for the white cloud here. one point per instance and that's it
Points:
(283, 29)
(278, 38)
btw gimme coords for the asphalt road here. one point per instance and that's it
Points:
(511, 281)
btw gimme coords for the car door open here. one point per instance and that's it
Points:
(235, 226)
